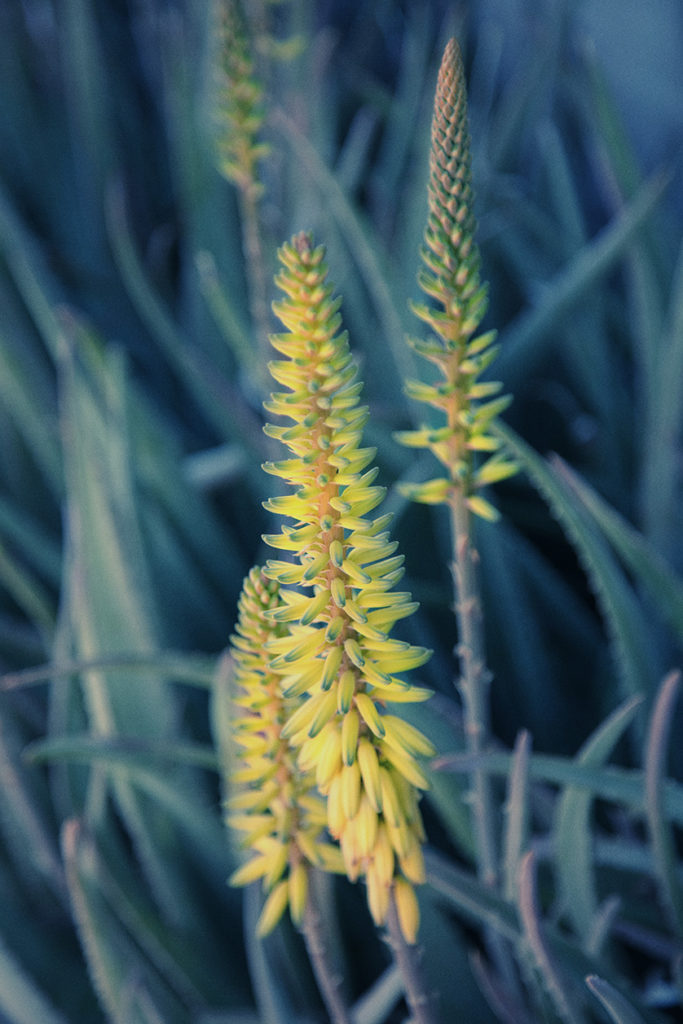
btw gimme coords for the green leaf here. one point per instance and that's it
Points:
(88, 749)
(573, 833)
(618, 1007)
(570, 285)
(25, 386)
(551, 974)
(365, 248)
(109, 602)
(517, 814)
(620, 785)
(663, 842)
(664, 586)
(625, 619)
(28, 592)
(115, 964)
(207, 385)
(21, 1001)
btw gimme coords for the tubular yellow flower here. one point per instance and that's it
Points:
(275, 804)
(338, 652)
(450, 277)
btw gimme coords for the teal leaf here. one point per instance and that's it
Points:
(624, 617)
(573, 832)
(661, 835)
(618, 1007)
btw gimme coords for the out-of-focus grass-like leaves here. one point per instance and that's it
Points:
(661, 833)
(124, 539)
(625, 618)
(619, 1009)
(21, 1001)
(573, 832)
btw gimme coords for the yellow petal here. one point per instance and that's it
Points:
(407, 909)
(273, 909)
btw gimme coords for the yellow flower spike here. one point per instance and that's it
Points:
(337, 602)
(450, 279)
(277, 809)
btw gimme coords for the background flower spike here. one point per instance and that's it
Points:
(450, 278)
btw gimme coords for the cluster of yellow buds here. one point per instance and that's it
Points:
(337, 605)
(275, 804)
(238, 108)
(465, 445)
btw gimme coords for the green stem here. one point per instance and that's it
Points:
(474, 685)
(326, 974)
(474, 681)
(256, 277)
(408, 959)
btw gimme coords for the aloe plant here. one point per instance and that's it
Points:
(161, 735)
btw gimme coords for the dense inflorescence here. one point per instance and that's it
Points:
(450, 278)
(338, 600)
(275, 804)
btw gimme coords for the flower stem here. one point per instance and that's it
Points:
(474, 684)
(474, 680)
(326, 974)
(252, 249)
(408, 958)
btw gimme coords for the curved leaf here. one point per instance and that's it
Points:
(573, 833)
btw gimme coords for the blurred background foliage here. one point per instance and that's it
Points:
(130, 487)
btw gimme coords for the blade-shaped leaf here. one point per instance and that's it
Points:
(573, 833)
(625, 620)
(21, 1001)
(618, 1007)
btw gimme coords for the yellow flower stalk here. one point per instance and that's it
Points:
(338, 600)
(464, 444)
(275, 805)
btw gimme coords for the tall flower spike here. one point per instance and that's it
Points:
(338, 600)
(465, 445)
(275, 805)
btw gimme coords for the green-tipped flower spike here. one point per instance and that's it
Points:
(338, 599)
(275, 804)
(465, 445)
(239, 109)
